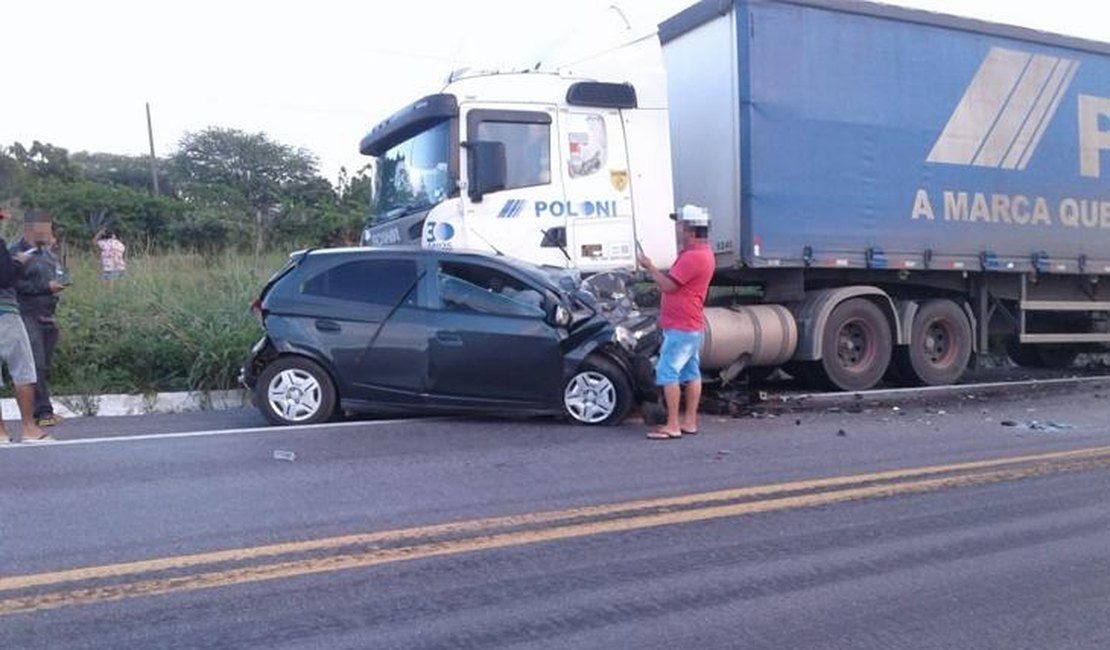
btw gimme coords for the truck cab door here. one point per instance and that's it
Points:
(517, 219)
(596, 181)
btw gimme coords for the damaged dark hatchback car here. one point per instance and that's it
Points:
(396, 330)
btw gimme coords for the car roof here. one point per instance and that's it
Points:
(534, 273)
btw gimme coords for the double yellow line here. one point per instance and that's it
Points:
(113, 582)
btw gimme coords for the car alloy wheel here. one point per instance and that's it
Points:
(296, 391)
(598, 393)
(590, 397)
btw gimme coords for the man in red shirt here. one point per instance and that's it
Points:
(682, 319)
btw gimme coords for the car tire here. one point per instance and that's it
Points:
(295, 390)
(598, 393)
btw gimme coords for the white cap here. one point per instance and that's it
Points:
(692, 215)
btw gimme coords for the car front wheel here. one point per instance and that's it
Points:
(295, 390)
(598, 393)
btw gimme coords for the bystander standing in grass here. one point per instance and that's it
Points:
(112, 249)
(37, 286)
(15, 349)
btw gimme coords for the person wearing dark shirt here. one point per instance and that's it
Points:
(15, 349)
(37, 287)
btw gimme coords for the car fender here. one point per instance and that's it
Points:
(640, 372)
(283, 348)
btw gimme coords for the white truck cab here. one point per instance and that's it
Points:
(565, 167)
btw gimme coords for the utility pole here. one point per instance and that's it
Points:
(153, 160)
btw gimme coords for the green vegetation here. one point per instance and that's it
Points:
(222, 190)
(229, 208)
(174, 322)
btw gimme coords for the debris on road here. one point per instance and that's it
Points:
(1038, 425)
(282, 454)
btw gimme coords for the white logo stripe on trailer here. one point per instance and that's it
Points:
(1016, 112)
(1069, 69)
(1004, 110)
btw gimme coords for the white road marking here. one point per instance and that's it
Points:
(218, 432)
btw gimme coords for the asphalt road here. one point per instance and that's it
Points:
(880, 525)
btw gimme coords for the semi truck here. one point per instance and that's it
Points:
(893, 192)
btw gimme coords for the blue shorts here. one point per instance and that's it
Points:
(679, 358)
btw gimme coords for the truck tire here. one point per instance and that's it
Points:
(295, 390)
(599, 393)
(856, 347)
(940, 346)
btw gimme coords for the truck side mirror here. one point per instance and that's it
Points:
(485, 168)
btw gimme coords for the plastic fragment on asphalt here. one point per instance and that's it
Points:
(282, 454)
(1037, 425)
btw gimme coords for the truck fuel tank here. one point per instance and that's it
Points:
(766, 334)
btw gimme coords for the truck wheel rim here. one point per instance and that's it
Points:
(938, 343)
(855, 345)
(295, 395)
(590, 397)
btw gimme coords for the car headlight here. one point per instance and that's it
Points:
(626, 337)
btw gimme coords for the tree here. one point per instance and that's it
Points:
(45, 160)
(80, 207)
(234, 170)
(128, 171)
(12, 175)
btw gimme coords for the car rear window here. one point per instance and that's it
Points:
(376, 282)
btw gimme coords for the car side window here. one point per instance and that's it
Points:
(464, 287)
(375, 282)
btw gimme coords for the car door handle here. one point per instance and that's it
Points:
(448, 338)
(327, 326)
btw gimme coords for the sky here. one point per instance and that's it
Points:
(316, 75)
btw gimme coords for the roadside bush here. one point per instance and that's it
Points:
(174, 322)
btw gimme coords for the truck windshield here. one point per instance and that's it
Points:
(413, 175)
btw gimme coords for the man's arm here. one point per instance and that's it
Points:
(30, 280)
(666, 283)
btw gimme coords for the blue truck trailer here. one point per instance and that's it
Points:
(892, 191)
(947, 175)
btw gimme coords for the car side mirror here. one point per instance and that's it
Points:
(561, 316)
(486, 169)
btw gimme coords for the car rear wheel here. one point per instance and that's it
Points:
(295, 390)
(598, 393)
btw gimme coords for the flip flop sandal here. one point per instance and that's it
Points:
(659, 434)
(44, 438)
(689, 433)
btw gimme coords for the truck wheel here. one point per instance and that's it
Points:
(598, 393)
(856, 346)
(295, 390)
(940, 346)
